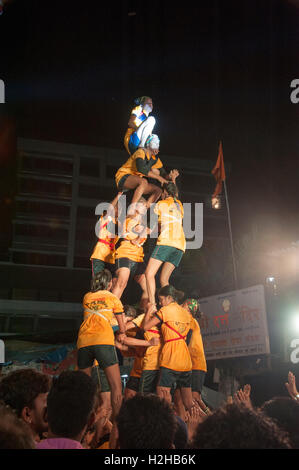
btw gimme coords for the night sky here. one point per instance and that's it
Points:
(216, 70)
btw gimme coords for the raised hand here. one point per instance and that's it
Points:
(291, 385)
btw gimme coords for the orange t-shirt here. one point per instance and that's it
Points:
(170, 217)
(128, 249)
(151, 360)
(138, 361)
(130, 168)
(196, 348)
(99, 310)
(105, 247)
(175, 353)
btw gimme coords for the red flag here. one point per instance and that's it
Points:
(219, 171)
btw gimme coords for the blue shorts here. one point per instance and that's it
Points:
(133, 142)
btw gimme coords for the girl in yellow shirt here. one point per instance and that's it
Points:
(175, 360)
(171, 242)
(199, 364)
(103, 255)
(130, 254)
(96, 337)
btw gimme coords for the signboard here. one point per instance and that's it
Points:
(235, 324)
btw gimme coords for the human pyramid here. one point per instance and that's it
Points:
(165, 340)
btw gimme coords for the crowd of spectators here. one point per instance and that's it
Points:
(66, 412)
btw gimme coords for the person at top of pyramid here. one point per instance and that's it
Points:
(140, 125)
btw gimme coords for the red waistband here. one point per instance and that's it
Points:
(110, 244)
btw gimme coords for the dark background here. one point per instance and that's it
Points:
(217, 70)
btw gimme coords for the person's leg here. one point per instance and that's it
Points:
(187, 398)
(97, 266)
(164, 393)
(142, 186)
(198, 377)
(87, 371)
(123, 275)
(129, 393)
(141, 280)
(145, 130)
(150, 273)
(166, 272)
(113, 376)
(179, 405)
(85, 359)
(137, 183)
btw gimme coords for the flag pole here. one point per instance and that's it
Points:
(231, 236)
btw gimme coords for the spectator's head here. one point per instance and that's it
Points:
(181, 434)
(71, 404)
(285, 412)
(14, 433)
(238, 427)
(25, 391)
(146, 422)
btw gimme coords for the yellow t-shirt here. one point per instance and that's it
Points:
(152, 354)
(175, 353)
(196, 348)
(128, 249)
(96, 327)
(105, 247)
(130, 168)
(170, 218)
(138, 361)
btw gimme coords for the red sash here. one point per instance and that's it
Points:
(110, 244)
(174, 339)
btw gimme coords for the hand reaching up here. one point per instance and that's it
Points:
(291, 385)
(243, 396)
(193, 418)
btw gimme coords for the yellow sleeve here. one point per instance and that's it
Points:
(139, 154)
(138, 320)
(157, 208)
(160, 314)
(118, 306)
(182, 208)
(158, 164)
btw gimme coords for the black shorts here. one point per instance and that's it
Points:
(148, 381)
(97, 266)
(168, 378)
(197, 380)
(127, 263)
(100, 379)
(133, 383)
(121, 183)
(105, 354)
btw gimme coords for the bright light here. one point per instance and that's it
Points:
(270, 280)
(294, 322)
(216, 202)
